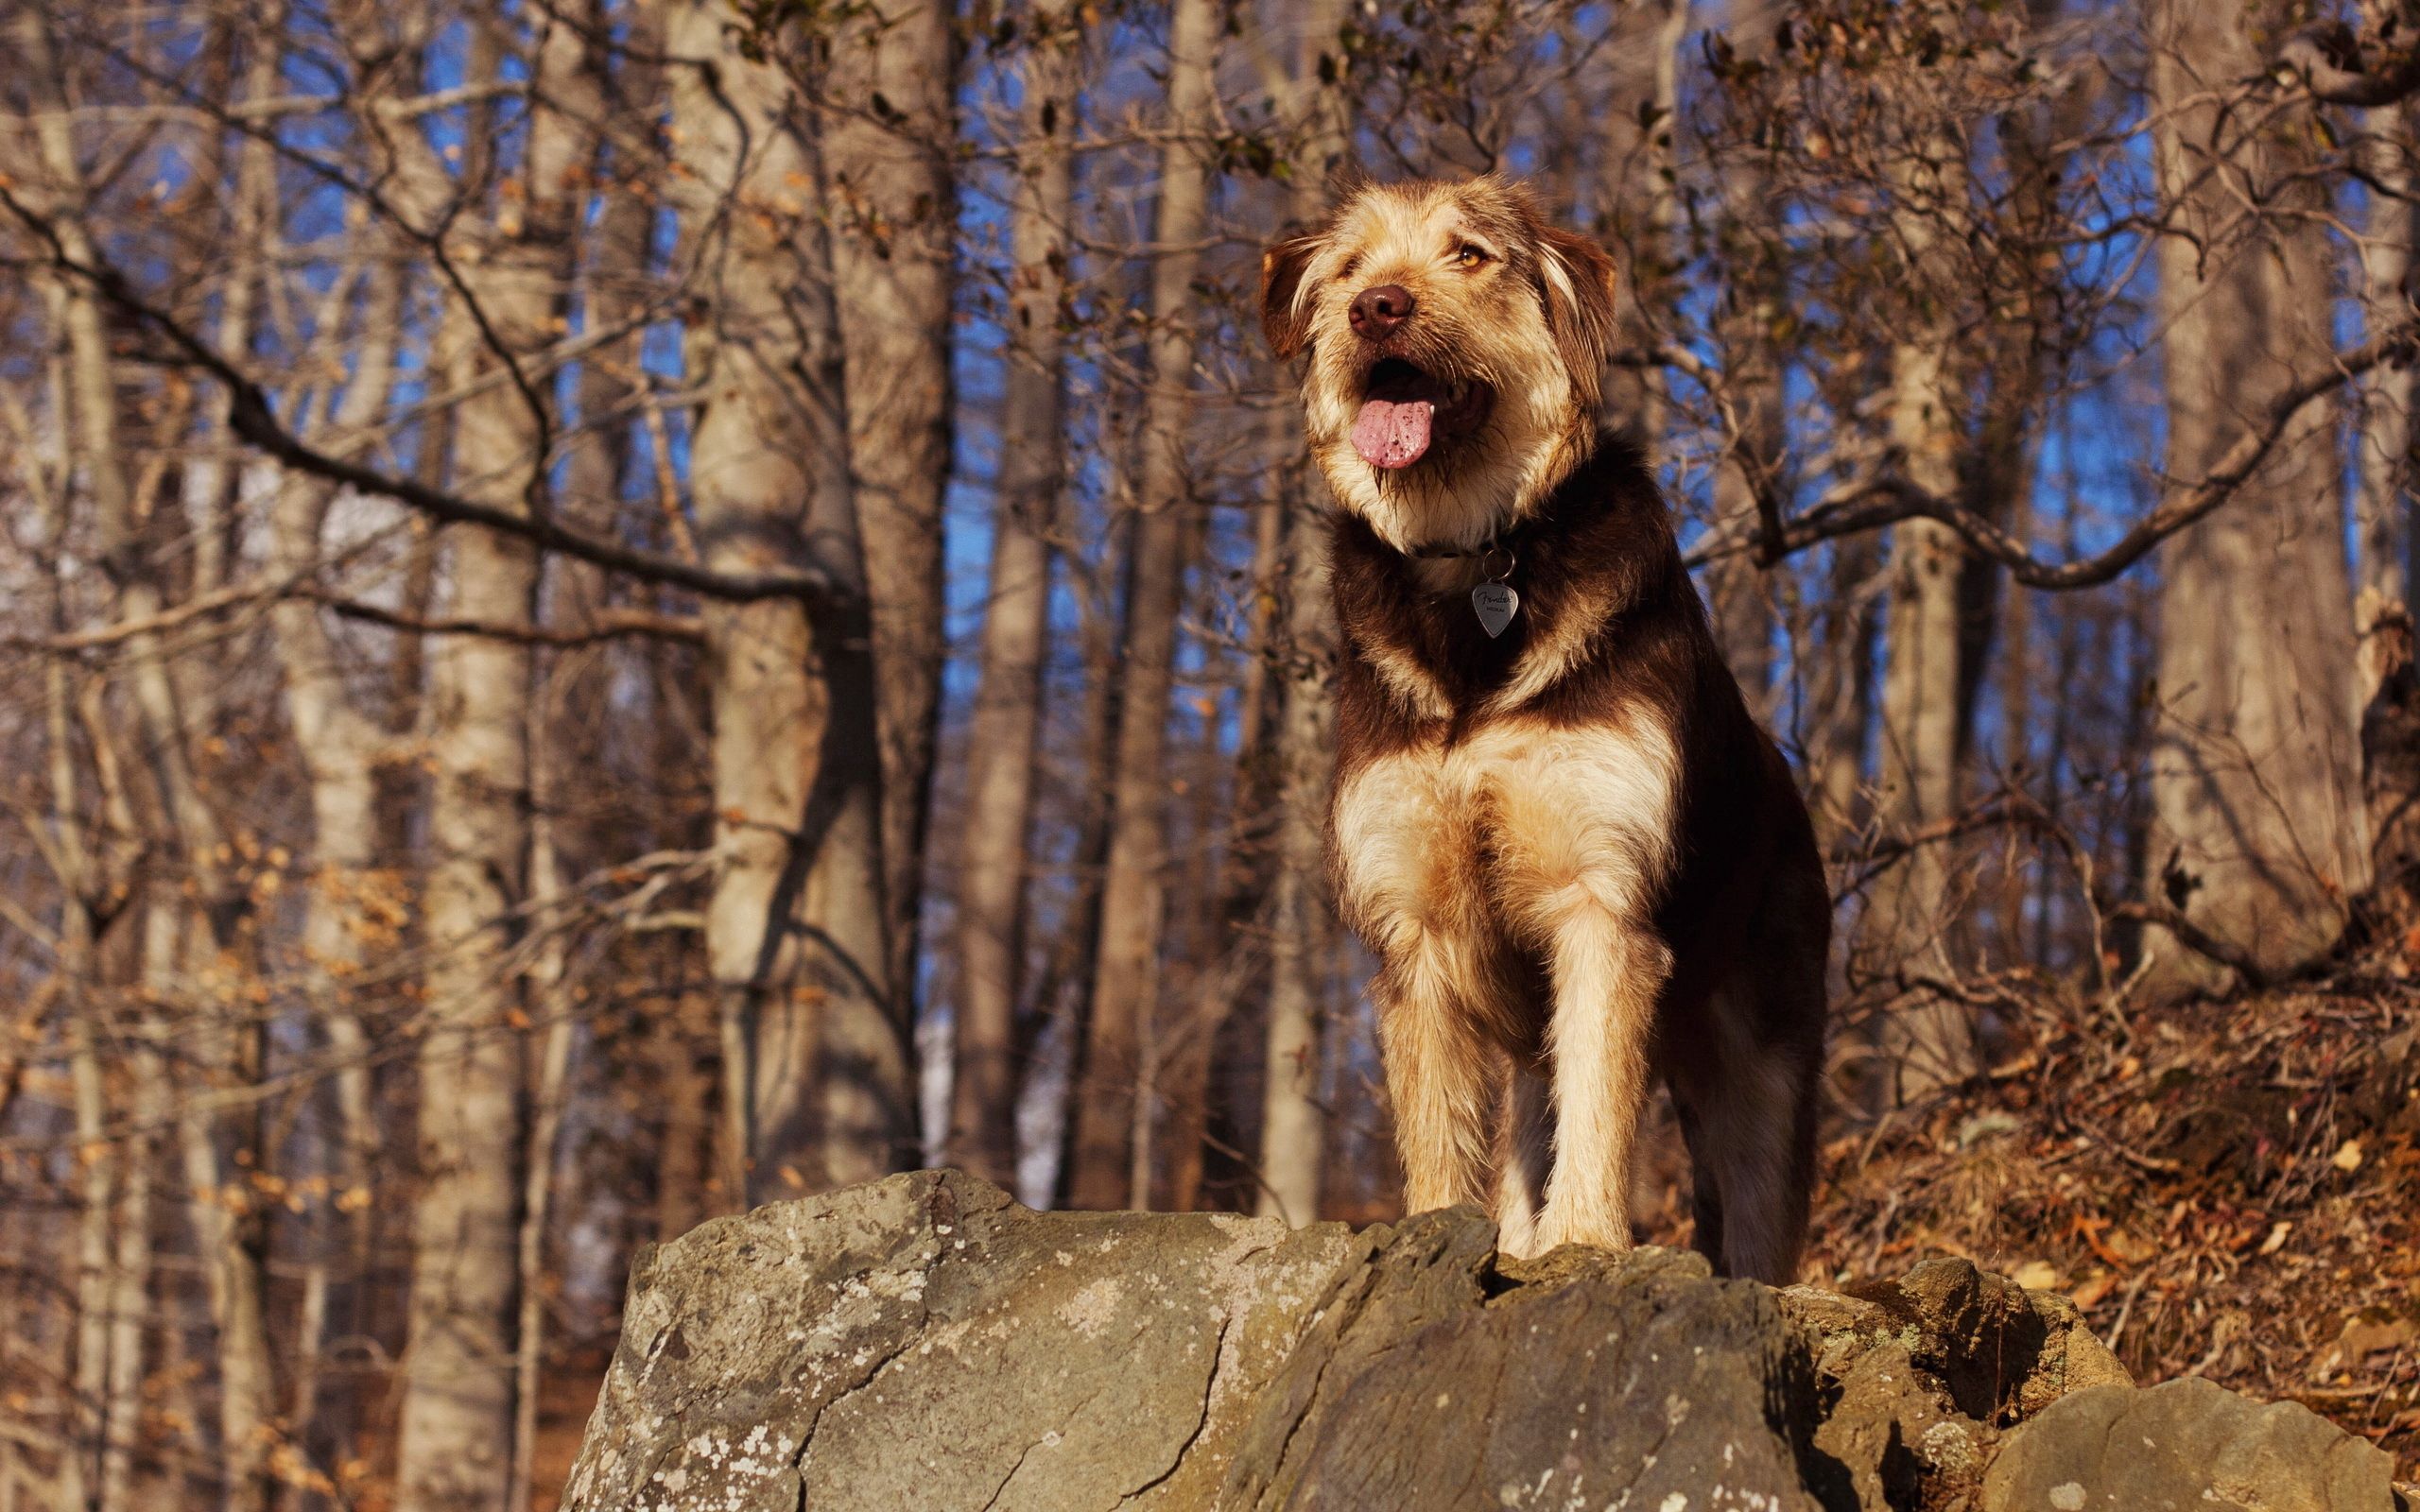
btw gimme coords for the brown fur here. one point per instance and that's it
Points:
(1578, 860)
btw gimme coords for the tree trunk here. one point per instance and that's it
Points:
(794, 928)
(1927, 1039)
(2389, 687)
(1293, 1117)
(1064, 994)
(1126, 969)
(454, 1447)
(1640, 206)
(888, 136)
(228, 1238)
(1007, 721)
(1737, 586)
(2258, 831)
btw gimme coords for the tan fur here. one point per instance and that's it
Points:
(1409, 682)
(1545, 662)
(1564, 836)
(1514, 822)
(1497, 330)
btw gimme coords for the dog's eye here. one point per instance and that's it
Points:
(1468, 256)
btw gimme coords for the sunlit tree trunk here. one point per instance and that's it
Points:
(2389, 685)
(795, 926)
(1126, 969)
(1293, 1118)
(1007, 721)
(81, 1250)
(1927, 1039)
(228, 1236)
(1739, 589)
(454, 1447)
(889, 134)
(2259, 830)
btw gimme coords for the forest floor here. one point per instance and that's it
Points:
(2227, 1187)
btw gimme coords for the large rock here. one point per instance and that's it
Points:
(2186, 1446)
(924, 1344)
(1436, 1379)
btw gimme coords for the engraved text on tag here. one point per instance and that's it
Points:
(1496, 604)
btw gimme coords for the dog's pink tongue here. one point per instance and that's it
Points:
(1390, 434)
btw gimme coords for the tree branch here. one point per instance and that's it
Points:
(605, 625)
(2201, 942)
(1888, 498)
(251, 417)
(2327, 61)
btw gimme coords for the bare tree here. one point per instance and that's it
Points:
(887, 120)
(1928, 1040)
(2257, 838)
(456, 1441)
(1125, 971)
(1293, 1115)
(795, 929)
(1006, 724)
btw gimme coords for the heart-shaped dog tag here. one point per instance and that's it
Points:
(1496, 604)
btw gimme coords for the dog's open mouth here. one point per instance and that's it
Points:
(1406, 407)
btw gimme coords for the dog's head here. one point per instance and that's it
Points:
(1456, 345)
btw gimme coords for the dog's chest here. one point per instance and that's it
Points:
(1514, 810)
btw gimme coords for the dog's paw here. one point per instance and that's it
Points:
(1554, 1231)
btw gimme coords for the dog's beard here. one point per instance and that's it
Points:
(1457, 467)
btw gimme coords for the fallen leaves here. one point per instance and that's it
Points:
(2183, 1179)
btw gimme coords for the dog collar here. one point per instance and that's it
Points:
(1494, 600)
(1497, 558)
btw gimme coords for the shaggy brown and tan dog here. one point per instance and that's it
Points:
(1575, 855)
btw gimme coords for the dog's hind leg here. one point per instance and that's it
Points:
(1750, 1118)
(1705, 1194)
(1524, 1155)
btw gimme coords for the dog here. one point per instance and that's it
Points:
(1575, 856)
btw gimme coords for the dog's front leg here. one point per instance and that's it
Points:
(1609, 972)
(1437, 1072)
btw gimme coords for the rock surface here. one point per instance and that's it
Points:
(924, 1343)
(2184, 1446)
(1435, 1378)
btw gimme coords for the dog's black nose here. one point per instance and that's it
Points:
(1377, 310)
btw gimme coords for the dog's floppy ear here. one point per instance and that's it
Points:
(1580, 310)
(1283, 315)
